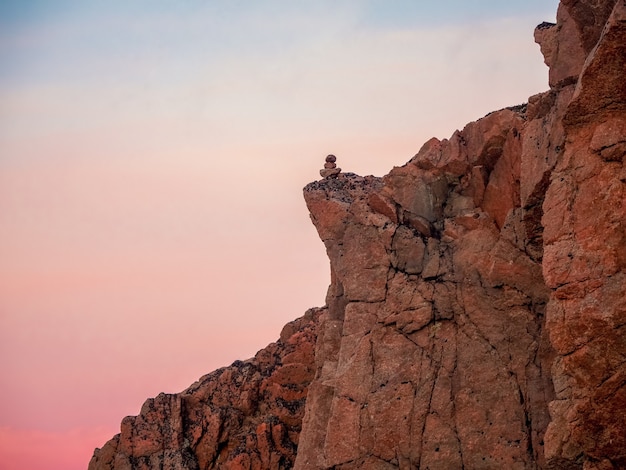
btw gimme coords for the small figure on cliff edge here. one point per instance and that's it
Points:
(330, 169)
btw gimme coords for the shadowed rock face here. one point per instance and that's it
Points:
(477, 307)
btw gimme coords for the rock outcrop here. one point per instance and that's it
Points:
(248, 415)
(435, 353)
(477, 307)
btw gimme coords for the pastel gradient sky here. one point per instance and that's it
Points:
(152, 158)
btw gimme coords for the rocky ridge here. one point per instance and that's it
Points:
(247, 415)
(475, 316)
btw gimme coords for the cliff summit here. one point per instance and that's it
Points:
(476, 311)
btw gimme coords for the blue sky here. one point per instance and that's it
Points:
(136, 57)
(56, 35)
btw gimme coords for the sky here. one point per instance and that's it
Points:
(152, 160)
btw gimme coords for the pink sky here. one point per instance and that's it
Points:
(152, 226)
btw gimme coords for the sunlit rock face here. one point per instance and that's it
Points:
(478, 299)
(475, 316)
(435, 353)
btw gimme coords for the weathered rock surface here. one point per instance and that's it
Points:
(477, 307)
(478, 300)
(434, 352)
(585, 261)
(246, 416)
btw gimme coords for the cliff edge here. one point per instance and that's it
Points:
(477, 307)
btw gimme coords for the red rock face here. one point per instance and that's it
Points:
(434, 353)
(475, 317)
(584, 263)
(444, 345)
(246, 416)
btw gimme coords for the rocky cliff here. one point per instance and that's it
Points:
(477, 307)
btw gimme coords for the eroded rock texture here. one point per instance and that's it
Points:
(246, 416)
(477, 307)
(585, 261)
(478, 299)
(434, 353)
